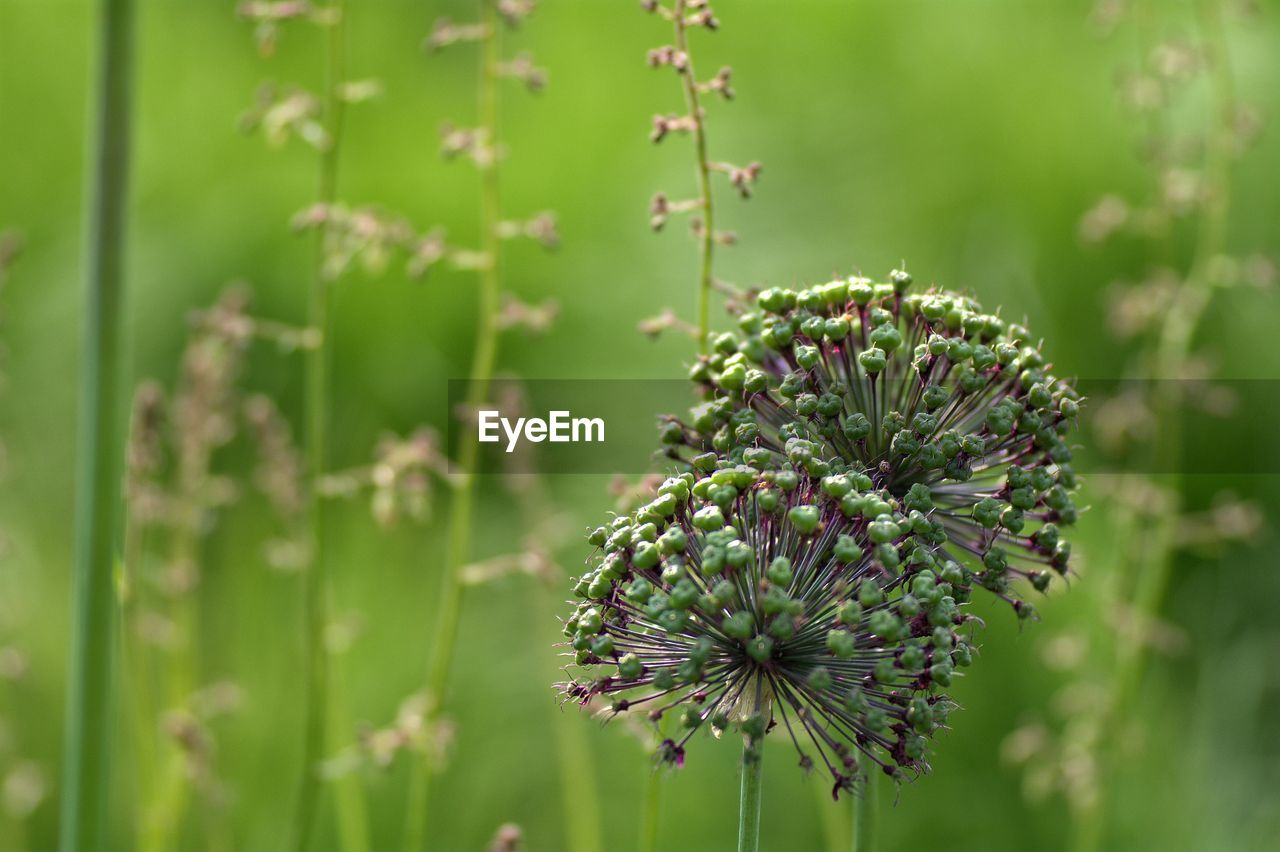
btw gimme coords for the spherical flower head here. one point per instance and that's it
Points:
(757, 596)
(948, 409)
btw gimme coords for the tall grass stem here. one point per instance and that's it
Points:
(316, 388)
(482, 363)
(865, 806)
(750, 798)
(706, 238)
(652, 810)
(87, 745)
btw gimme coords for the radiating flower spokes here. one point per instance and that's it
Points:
(864, 459)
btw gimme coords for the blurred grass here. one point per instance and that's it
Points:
(963, 138)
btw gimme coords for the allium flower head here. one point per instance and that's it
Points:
(757, 596)
(864, 459)
(924, 393)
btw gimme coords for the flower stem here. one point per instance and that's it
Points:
(864, 807)
(749, 801)
(837, 826)
(581, 810)
(706, 241)
(88, 727)
(652, 810)
(482, 364)
(163, 812)
(316, 580)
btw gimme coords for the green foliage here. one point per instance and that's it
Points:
(966, 137)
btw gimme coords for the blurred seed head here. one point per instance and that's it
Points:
(26, 786)
(1136, 308)
(508, 838)
(426, 251)
(269, 17)
(471, 142)
(534, 561)
(1105, 218)
(278, 473)
(663, 125)
(668, 320)
(668, 55)
(11, 245)
(1065, 651)
(13, 663)
(514, 12)
(145, 456)
(1177, 60)
(540, 228)
(1108, 14)
(402, 475)
(359, 91)
(1229, 521)
(445, 32)
(521, 67)
(282, 114)
(743, 177)
(536, 319)
(719, 84)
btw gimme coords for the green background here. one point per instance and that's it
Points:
(962, 138)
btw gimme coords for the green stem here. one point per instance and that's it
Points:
(837, 828)
(652, 810)
(316, 580)
(706, 241)
(581, 812)
(137, 674)
(88, 727)
(163, 812)
(749, 800)
(576, 767)
(865, 806)
(352, 810)
(482, 363)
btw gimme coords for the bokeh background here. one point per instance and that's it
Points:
(964, 139)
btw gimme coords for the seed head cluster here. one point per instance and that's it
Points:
(863, 460)
(925, 393)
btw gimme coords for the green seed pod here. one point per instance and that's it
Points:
(630, 667)
(782, 627)
(645, 555)
(779, 572)
(850, 613)
(870, 594)
(767, 500)
(805, 519)
(708, 518)
(760, 649)
(739, 626)
(872, 360)
(841, 644)
(847, 549)
(819, 679)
